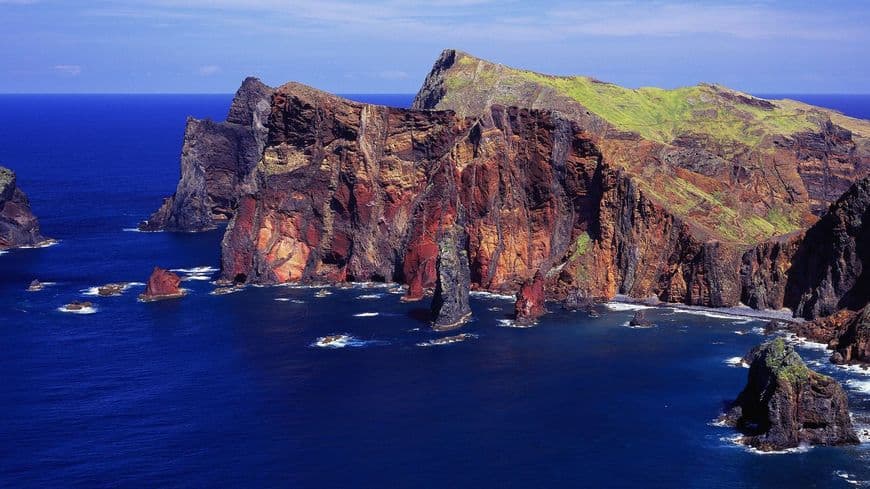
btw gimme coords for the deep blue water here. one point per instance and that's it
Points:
(227, 391)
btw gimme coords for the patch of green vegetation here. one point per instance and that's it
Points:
(785, 362)
(581, 246)
(662, 115)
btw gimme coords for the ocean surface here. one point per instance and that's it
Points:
(231, 391)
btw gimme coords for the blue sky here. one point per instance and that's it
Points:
(388, 46)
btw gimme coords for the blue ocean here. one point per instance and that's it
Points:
(232, 391)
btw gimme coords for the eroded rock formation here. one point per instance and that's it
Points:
(450, 307)
(162, 284)
(785, 404)
(530, 305)
(216, 160)
(18, 226)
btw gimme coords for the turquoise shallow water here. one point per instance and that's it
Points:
(217, 391)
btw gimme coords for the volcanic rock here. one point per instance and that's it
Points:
(785, 404)
(450, 306)
(216, 160)
(35, 286)
(530, 305)
(162, 284)
(639, 320)
(18, 226)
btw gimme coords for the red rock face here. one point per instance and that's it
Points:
(530, 300)
(162, 284)
(356, 192)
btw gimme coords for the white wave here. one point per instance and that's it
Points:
(715, 315)
(854, 369)
(342, 341)
(137, 230)
(493, 309)
(366, 315)
(43, 244)
(625, 306)
(802, 342)
(83, 310)
(491, 295)
(448, 340)
(738, 441)
(369, 296)
(850, 478)
(628, 324)
(226, 290)
(196, 270)
(95, 291)
(3, 252)
(740, 332)
(510, 323)
(862, 386)
(736, 362)
(197, 277)
(372, 285)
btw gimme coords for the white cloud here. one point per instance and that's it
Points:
(209, 70)
(68, 70)
(460, 20)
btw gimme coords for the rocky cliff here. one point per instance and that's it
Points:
(606, 190)
(349, 191)
(18, 226)
(216, 160)
(785, 404)
(819, 271)
(690, 179)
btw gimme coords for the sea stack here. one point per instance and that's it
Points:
(18, 226)
(785, 404)
(162, 284)
(530, 300)
(450, 306)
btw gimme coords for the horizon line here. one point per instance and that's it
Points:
(361, 93)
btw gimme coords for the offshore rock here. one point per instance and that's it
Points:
(785, 404)
(162, 284)
(530, 305)
(18, 226)
(450, 307)
(216, 161)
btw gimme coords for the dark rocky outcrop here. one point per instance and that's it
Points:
(817, 272)
(530, 305)
(785, 404)
(450, 307)
(639, 320)
(853, 343)
(18, 226)
(162, 284)
(216, 161)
